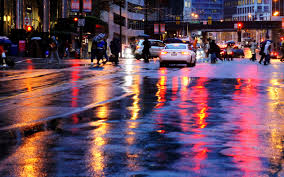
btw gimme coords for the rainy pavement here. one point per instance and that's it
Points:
(138, 119)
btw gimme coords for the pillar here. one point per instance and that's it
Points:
(64, 8)
(126, 23)
(46, 16)
(19, 14)
(2, 16)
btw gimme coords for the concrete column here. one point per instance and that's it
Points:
(19, 14)
(64, 8)
(126, 22)
(2, 16)
(46, 16)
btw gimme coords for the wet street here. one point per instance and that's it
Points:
(137, 119)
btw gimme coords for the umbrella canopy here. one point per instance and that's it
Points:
(144, 35)
(5, 40)
(230, 42)
(173, 40)
(36, 38)
(99, 37)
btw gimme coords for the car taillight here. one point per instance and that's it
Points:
(185, 53)
(163, 53)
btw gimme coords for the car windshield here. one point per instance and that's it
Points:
(175, 46)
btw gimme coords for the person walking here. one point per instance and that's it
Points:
(261, 52)
(54, 50)
(115, 48)
(252, 49)
(267, 51)
(146, 50)
(106, 55)
(93, 50)
(213, 51)
(229, 52)
(282, 51)
(101, 48)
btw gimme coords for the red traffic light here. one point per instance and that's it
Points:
(75, 19)
(29, 28)
(240, 25)
(282, 38)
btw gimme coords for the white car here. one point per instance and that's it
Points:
(177, 53)
(156, 47)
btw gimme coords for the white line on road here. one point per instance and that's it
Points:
(65, 115)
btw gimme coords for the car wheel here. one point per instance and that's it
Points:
(190, 64)
(194, 63)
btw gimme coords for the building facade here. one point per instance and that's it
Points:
(133, 18)
(253, 10)
(207, 9)
(17, 14)
(230, 8)
(277, 9)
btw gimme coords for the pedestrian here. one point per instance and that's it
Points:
(229, 52)
(115, 48)
(2, 57)
(93, 50)
(106, 55)
(146, 50)
(282, 51)
(252, 49)
(267, 51)
(67, 49)
(261, 52)
(101, 48)
(54, 50)
(213, 51)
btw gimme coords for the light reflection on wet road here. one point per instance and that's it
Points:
(138, 119)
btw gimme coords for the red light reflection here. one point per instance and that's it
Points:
(245, 155)
(75, 91)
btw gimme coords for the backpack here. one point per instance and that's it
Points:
(101, 44)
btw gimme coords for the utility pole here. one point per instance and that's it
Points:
(120, 25)
(159, 19)
(81, 29)
(1, 16)
(146, 16)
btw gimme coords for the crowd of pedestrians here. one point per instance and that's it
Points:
(213, 51)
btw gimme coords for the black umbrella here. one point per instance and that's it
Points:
(230, 42)
(144, 35)
(173, 40)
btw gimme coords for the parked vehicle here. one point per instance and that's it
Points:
(177, 53)
(274, 55)
(236, 52)
(156, 47)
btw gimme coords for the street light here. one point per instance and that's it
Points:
(276, 13)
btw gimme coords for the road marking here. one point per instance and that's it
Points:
(65, 115)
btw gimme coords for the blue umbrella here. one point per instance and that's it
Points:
(5, 40)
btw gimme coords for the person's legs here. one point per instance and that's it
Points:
(262, 57)
(266, 61)
(106, 56)
(51, 56)
(253, 57)
(92, 56)
(116, 58)
(57, 57)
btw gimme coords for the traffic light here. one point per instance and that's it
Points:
(29, 28)
(240, 25)
(282, 38)
(75, 19)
